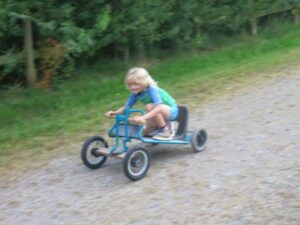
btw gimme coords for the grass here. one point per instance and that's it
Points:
(33, 119)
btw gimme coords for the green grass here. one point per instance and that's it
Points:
(29, 118)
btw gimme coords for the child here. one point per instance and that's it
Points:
(160, 106)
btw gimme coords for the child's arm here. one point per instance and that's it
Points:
(131, 101)
(120, 110)
(111, 113)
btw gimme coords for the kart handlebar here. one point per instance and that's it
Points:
(125, 116)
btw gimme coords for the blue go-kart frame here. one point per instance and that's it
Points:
(136, 159)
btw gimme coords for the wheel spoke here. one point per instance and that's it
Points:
(200, 138)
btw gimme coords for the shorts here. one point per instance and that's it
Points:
(173, 113)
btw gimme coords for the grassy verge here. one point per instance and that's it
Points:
(32, 119)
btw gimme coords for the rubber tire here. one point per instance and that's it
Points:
(199, 139)
(85, 149)
(127, 159)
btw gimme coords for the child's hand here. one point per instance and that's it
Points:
(137, 119)
(110, 114)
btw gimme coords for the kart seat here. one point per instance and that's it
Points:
(182, 119)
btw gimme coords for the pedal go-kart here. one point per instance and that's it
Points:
(136, 159)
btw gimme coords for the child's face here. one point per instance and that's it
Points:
(134, 87)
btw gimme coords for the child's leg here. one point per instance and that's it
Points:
(160, 119)
(151, 124)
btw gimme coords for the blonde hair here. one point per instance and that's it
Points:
(140, 76)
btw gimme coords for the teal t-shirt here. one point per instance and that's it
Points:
(152, 94)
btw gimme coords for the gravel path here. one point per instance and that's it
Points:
(249, 173)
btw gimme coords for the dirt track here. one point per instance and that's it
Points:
(249, 173)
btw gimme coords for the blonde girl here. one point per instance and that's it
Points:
(160, 106)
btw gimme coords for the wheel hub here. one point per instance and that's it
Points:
(136, 162)
(94, 152)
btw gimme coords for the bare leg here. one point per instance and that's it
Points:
(150, 126)
(159, 120)
(150, 123)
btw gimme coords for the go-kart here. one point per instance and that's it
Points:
(136, 159)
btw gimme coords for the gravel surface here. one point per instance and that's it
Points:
(249, 173)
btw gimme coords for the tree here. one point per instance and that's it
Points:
(294, 5)
(29, 53)
(63, 23)
(59, 33)
(136, 25)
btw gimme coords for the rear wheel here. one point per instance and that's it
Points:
(89, 152)
(136, 163)
(199, 138)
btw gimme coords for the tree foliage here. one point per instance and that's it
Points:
(78, 31)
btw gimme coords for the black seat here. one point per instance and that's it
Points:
(182, 119)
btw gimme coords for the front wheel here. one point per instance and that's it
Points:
(89, 152)
(199, 138)
(136, 163)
